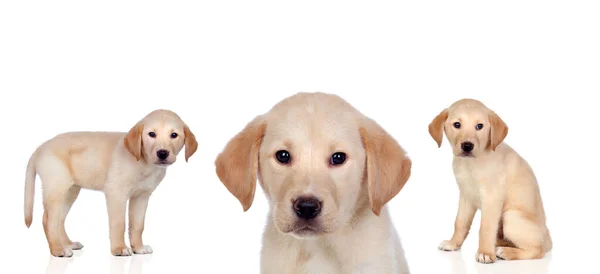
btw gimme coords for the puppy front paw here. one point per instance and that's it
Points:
(146, 249)
(62, 252)
(485, 257)
(121, 251)
(448, 246)
(76, 246)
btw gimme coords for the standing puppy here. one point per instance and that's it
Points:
(328, 172)
(125, 166)
(492, 177)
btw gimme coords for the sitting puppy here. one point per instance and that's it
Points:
(492, 177)
(328, 172)
(125, 166)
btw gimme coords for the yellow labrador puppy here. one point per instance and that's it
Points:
(491, 177)
(125, 166)
(328, 172)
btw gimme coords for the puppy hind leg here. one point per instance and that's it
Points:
(504, 243)
(70, 199)
(54, 212)
(500, 239)
(56, 182)
(525, 235)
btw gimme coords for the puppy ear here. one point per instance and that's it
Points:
(498, 130)
(436, 127)
(388, 167)
(133, 141)
(191, 145)
(237, 164)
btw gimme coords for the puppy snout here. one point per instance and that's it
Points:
(467, 146)
(162, 154)
(307, 207)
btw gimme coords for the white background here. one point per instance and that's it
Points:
(103, 65)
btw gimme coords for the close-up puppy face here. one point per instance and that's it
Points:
(311, 167)
(470, 127)
(159, 137)
(316, 159)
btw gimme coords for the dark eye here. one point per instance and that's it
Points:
(152, 134)
(479, 126)
(457, 125)
(173, 135)
(283, 156)
(338, 158)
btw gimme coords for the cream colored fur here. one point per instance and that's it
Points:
(354, 232)
(496, 180)
(124, 165)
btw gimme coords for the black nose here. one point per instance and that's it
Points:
(467, 146)
(162, 154)
(307, 207)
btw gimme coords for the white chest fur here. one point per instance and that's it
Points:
(469, 178)
(320, 260)
(128, 180)
(149, 180)
(477, 177)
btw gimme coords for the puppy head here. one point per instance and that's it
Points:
(470, 127)
(159, 137)
(319, 161)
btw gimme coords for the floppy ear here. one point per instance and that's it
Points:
(237, 164)
(436, 127)
(133, 141)
(388, 167)
(498, 130)
(191, 145)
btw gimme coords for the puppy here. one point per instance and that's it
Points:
(328, 172)
(491, 177)
(125, 166)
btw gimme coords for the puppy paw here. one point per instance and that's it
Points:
(146, 249)
(508, 253)
(76, 246)
(121, 251)
(448, 246)
(62, 252)
(485, 257)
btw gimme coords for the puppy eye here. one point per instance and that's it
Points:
(457, 125)
(479, 126)
(338, 158)
(283, 156)
(152, 134)
(173, 135)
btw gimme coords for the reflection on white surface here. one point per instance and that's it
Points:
(457, 262)
(58, 265)
(460, 264)
(136, 263)
(118, 265)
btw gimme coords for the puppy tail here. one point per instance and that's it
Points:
(30, 189)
